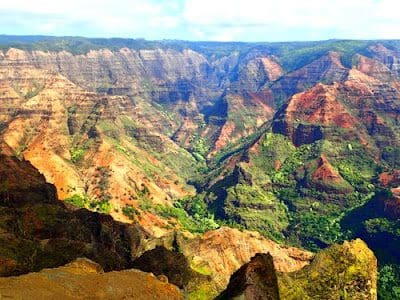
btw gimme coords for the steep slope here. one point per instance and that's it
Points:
(221, 252)
(328, 69)
(101, 147)
(184, 84)
(37, 230)
(389, 57)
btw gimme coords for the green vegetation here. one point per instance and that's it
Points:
(392, 156)
(102, 206)
(291, 54)
(200, 147)
(34, 90)
(389, 282)
(191, 212)
(380, 225)
(77, 154)
(79, 150)
(257, 210)
(79, 201)
(136, 142)
(192, 224)
(277, 195)
(130, 212)
(295, 55)
(337, 272)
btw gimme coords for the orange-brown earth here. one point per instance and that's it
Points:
(326, 173)
(319, 105)
(272, 68)
(221, 252)
(244, 115)
(42, 132)
(57, 116)
(84, 279)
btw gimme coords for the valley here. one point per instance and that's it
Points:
(201, 155)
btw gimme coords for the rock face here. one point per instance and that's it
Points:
(71, 135)
(358, 102)
(121, 71)
(326, 178)
(84, 279)
(306, 113)
(347, 271)
(205, 263)
(254, 280)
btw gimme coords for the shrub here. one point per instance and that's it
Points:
(389, 282)
(77, 154)
(79, 201)
(130, 212)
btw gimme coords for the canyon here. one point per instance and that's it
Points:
(207, 153)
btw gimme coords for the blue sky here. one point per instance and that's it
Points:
(217, 20)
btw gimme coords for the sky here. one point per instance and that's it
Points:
(211, 20)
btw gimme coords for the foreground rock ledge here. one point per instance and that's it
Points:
(84, 279)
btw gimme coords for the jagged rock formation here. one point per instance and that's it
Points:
(84, 279)
(254, 280)
(115, 126)
(328, 68)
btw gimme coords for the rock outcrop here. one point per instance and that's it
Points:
(254, 280)
(84, 279)
(347, 271)
(161, 261)
(305, 115)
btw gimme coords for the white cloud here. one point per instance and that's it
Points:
(205, 19)
(351, 18)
